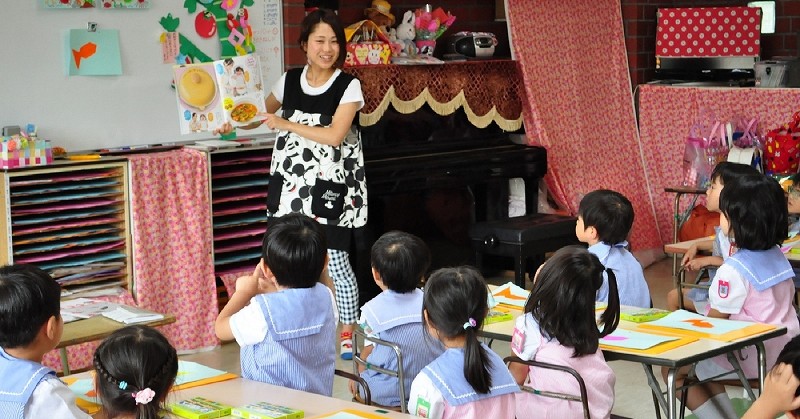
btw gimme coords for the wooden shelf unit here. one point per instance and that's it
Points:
(70, 220)
(239, 178)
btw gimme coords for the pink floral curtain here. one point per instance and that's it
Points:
(173, 265)
(579, 104)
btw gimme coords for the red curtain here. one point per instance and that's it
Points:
(579, 104)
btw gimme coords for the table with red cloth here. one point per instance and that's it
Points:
(667, 112)
(488, 90)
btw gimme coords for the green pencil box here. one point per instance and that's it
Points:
(641, 315)
(264, 410)
(199, 408)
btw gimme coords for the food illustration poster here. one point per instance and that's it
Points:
(124, 4)
(94, 53)
(198, 98)
(242, 89)
(68, 4)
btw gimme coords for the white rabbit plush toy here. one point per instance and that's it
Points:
(406, 34)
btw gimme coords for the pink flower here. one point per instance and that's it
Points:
(144, 396)
(433, 25)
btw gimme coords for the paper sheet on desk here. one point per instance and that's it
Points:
(686, 323)
(131, 316)
(511, 295)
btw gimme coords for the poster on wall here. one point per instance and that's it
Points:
(68, 4)
(93, 53)
(124, 4)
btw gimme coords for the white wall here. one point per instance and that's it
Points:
(83, 113)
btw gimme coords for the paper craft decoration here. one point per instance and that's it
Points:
(642, 342)
(210, 94)
(95, 53)
(68, 4)
(192, 374)
(125, 4)
(512, 295)
(86, 397)
(686, 323)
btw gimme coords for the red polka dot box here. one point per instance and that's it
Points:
(708, 32)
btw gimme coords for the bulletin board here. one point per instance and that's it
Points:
(94, 112)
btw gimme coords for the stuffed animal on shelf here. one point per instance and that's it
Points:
(380, 13)
(405, 35)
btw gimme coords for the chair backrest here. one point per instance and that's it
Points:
(582, 398)
(359, 335)
(357, 378)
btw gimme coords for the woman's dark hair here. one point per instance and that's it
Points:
(756, 210)
(329, 17)
(28, 298)
(294, 249)
(130, 360)
(456, 302)
(563, 296)
(401, 259)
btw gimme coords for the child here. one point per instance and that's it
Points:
(468, 379)
(559, 327)
(604, 220)
(754, 284)
(781, 392)
(30, 326)
(399, 262)
(287, 330)
(720, 246)
(135, 368)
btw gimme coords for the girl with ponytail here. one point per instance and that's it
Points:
(135, 368)
(559, 327)
(468, 379)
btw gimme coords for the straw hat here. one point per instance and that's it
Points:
(380, 7)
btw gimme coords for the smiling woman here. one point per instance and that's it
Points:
(317, 162)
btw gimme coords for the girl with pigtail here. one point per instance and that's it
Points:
(559, 327)
(135, 368)
(468, 379)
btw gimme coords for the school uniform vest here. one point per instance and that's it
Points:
(321, 181)
(397, 318)
(632, 287)
(19, 378)
(593, 369)
(447, 375)
(298, 351)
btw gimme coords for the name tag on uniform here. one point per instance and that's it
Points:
(518, 340)
(423, 408)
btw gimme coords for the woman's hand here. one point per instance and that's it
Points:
(224, 129)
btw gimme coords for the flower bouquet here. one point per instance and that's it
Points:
(430, 25)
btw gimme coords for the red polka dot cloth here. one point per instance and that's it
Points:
(709, 32)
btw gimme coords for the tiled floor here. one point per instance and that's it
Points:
(633, 394)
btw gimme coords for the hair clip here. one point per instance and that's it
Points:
(123, 385)
(144, 396)
(470, 323)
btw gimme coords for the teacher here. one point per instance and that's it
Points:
(317, 162)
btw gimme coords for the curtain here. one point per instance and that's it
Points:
(579, 105)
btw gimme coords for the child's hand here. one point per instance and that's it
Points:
(778, 395)
(274, 122)
(689, 255)
(353, 387)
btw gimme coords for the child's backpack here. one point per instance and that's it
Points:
(701, 223)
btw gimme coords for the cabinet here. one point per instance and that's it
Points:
(238, 189)
(71, 220)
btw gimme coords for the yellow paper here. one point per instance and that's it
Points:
(660, 348)
(748, 331)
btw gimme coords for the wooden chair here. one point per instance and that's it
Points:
(582, 398)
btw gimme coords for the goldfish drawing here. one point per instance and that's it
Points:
(87, 50)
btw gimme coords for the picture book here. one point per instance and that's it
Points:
(210, 94)
(686, 323)
(264, 410)
(199, 408)
(84, 308)
(131, 315)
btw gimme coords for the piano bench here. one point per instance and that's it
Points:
(522, 238)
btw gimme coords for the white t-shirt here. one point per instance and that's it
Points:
(351, 94)
(249, 326)
(53, 399)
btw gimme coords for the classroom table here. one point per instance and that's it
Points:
(241, 391)
(673, 359)
(95, 328)
(680, 248)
